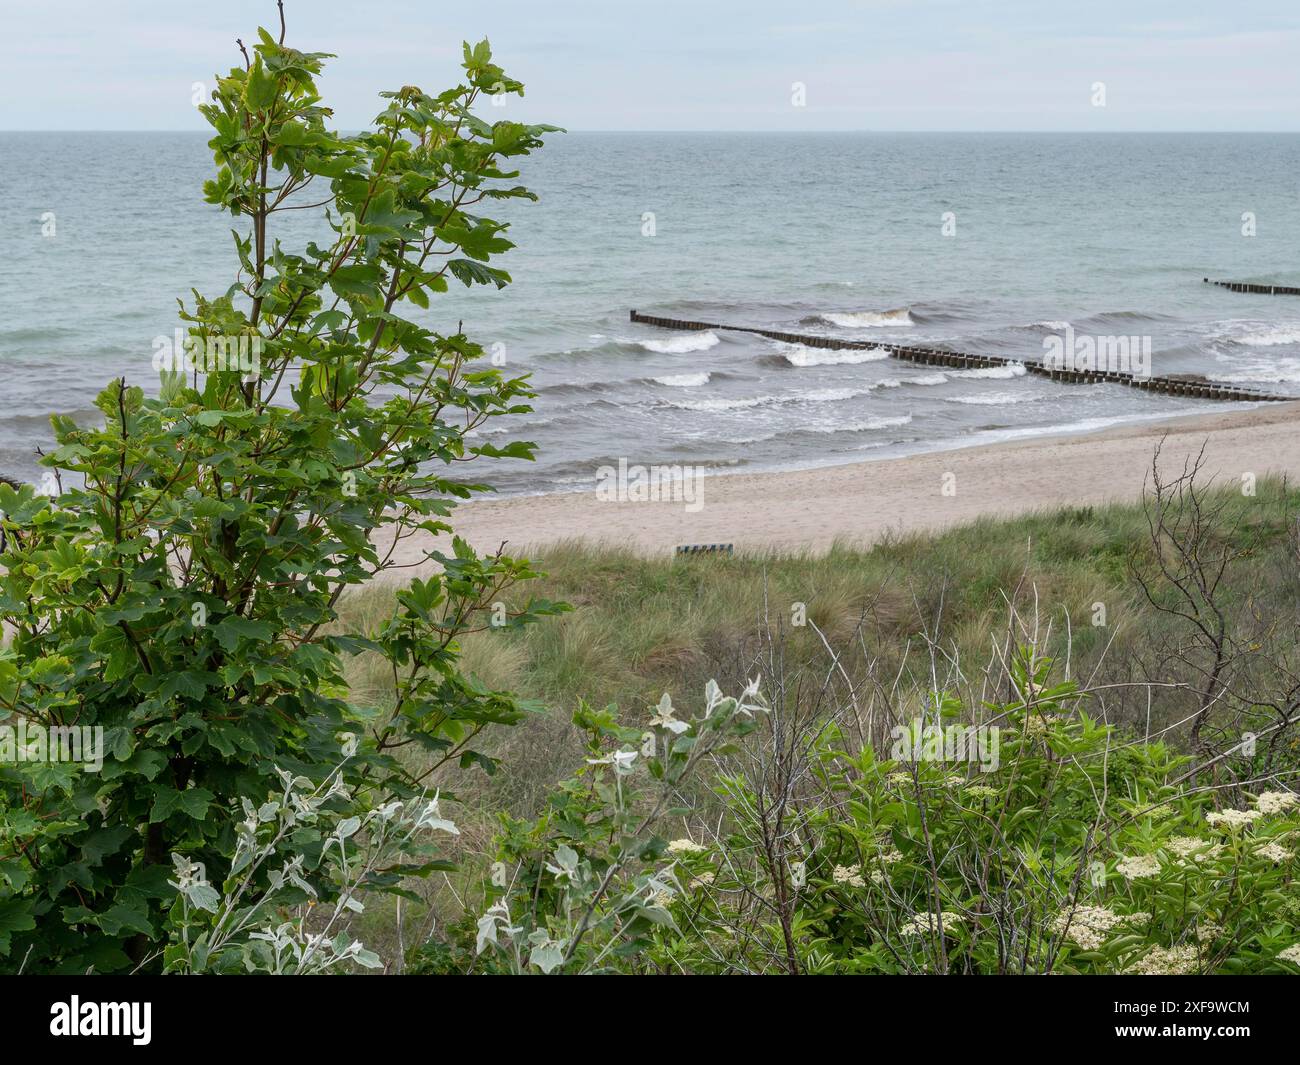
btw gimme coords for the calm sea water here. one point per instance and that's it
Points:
(828, 233)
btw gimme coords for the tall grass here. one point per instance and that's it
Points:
(642, 626)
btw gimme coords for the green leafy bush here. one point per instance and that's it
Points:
(179, 591)
(1082, 852)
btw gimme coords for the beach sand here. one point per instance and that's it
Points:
(809, 509)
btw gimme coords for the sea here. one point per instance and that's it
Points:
(987, 243)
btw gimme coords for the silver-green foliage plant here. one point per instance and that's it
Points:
(584, 887)
(267, 917)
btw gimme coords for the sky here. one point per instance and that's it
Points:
(688, 64)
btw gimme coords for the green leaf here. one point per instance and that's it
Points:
(193, 801)
(260, 91)
(229, 631)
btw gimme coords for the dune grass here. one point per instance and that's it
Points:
(644, 626)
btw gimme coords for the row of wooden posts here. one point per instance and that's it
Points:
(1259, 290)
(1174, 386)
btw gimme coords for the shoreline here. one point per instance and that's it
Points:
(940, 446)
(859, 502)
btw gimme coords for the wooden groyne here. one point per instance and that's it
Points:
(961, 360)
(706, 549)
(1259, 290)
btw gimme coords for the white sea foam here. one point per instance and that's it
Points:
(1268, 338)
(798, 355)
(829, 395)
(1007, 372)
(1258, 377)
(682, 343)
(867, 426)
(719, 404)
(1259, 370)
(684, 380)
(826, 429)
(1082, 426)
(997, 399)
(816, 395)
(868, 319)
(1252, 333)
(497, 430)
(1011, 369)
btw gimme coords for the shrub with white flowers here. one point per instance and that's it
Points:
(1082, 852)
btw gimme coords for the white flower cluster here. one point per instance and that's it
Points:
(886, 854)
(1273, 852)
(1138, 866)
(1040, 724)
(1208, 931)
(842, 874)
(923, 924)
(1275, 802)
(1190, 847)
(1232, 819)
(1167, 961)
(1088, 925)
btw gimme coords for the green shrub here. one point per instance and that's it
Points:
(1082, 852)
(178, 592)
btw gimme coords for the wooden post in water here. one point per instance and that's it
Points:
(945, 357)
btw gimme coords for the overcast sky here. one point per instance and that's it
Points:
(689, 64)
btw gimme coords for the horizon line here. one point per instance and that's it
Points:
(798, 132)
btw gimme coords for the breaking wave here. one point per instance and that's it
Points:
(799, 355)
(817, 395)
(864, 319)
(681, 344)
(684, 380)
(870, 425)
(867, 426)
(1269, 337)
(1000, 373)
(997, 399)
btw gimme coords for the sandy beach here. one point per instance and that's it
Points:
(809, 509)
